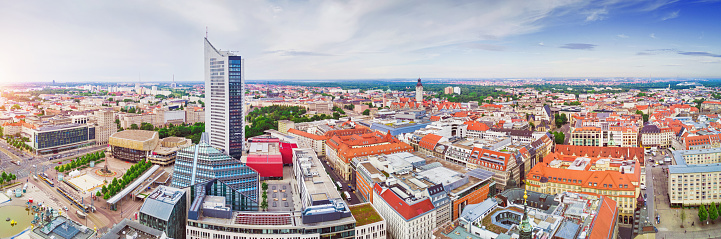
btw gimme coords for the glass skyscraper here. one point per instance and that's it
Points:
(224, 88)
(202, 162)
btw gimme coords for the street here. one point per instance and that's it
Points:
(355, 199)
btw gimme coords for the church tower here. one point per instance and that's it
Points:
(419, 91)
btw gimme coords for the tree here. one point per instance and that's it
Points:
(146, 126)
(702, 213)
(264, 205)
(13, 176)
(97, 194)
(264, 186)
(104, 189)
(15, 107)
(367, 112)
(134, 126)
(4, 175)
(713, 211)
(560, 137)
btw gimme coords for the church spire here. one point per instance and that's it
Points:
(526, 228)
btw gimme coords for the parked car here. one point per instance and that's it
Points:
(643, 187)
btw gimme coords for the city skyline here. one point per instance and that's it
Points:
(131, 42)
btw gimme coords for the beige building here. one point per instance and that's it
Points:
(284, 125)
(128, 120)
(194, 115)
(105, 119)
(695, 177)
(133, 145)
(320, 107)
(165, 152)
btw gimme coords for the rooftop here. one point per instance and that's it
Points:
(132, 229)
(365, 214)
(160, 203)
(136, 135)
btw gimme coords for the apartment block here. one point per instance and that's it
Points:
(695, 178)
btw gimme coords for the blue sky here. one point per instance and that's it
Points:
(128, 41)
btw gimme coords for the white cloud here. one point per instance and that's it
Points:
(652, 35)
(671, 15)
(118, 40)
(622, 36)
(596, 15)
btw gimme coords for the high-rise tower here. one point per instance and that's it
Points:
(419, 91)
(224, 87)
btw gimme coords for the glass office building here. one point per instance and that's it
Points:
(224, 83)
(58, 138)
(202, 162)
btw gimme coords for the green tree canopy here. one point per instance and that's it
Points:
(702, 213)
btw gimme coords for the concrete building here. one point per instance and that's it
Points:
(308, 140)
(224, 85)
(369, 224)
(285, 125)
(165, 210)
(695, 177)
(105, 120)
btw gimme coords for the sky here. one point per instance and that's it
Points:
(142, 41)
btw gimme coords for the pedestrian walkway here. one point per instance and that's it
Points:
(711, 233)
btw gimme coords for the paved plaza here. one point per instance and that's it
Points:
(87, 182)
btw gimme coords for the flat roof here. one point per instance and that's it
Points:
(364, 214)
(115, 199)
(136, 135)
(318, 182)
(695, 168)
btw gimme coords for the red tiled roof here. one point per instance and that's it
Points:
(306, 134)
(604, 223)
(603, 180)
(476, 126)
(429, 141)
(407, 211)
(477, 153)
(594, 151)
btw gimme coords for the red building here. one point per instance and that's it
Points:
(264, 156)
